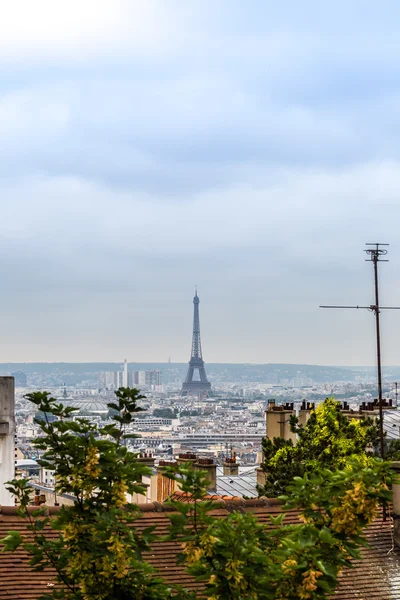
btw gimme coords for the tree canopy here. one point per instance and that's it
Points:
(329, 439)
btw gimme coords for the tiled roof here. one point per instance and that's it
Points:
(377, 577)
(188, 498)
(391, 424)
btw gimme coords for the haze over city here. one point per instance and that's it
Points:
(240, 147)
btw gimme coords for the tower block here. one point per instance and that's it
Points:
(202, 385)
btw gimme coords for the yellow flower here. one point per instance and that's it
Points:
(289, 567)
(119, 490)
(192, 553)
(232, 570)
(91, 462)
(207, 543)
(309, 583)
(355, 502)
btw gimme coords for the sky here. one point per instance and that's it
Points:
(149, 146)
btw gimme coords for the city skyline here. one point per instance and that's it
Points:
(252, 151)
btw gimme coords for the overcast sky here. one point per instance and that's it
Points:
(146, 146)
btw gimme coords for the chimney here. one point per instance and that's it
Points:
(396, 502)
(201, 464)
(261, 476)
(186, 457)
(278, 421)
(7, 438)
(208, 465)
(230, 466)
(165, 486)
(146, 458)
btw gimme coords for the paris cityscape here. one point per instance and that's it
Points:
(218, 414)
(200, 301)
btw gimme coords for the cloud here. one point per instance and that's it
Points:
(179, 97)
(148, 146)
(79, 31)
(299, 211)
(79, 255)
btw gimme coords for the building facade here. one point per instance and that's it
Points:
(7, 438)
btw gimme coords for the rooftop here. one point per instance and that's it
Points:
(377, 577)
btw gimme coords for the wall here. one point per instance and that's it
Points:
(278, 424)
(7, 438)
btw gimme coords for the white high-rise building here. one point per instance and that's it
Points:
(125, 375)
(113, 380)
(149, 378)
(140, 377)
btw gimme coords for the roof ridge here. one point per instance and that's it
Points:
(219, 501)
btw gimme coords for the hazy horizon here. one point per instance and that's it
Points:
(155, 362)
(149, 146)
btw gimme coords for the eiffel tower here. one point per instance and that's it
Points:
(201, 386)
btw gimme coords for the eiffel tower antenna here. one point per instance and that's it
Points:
(190, 386)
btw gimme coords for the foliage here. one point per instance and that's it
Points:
(97, 551)
(164, 413)
(329, 439)
(239, 558)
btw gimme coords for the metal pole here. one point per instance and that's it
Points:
(378, 353)
(375, 255)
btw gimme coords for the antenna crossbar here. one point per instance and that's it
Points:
(371, 307)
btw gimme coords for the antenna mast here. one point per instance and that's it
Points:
(375, 254)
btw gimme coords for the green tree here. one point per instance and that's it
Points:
(329, 439)
(164, 413)
(97, 554)
(239, 558)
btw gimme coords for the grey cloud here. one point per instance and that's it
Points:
(251, 150)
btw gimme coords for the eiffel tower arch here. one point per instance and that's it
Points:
(202, 385)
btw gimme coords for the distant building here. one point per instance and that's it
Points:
(88, 406)
(113, 380)
(149, 378)
(125, 374)
(107, 380)
(20, 378)
(140, 378)
(46, 476)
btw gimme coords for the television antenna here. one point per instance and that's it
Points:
(375, 254)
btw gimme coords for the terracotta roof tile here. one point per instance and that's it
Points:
(375, 577)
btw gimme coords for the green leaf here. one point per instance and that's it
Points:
(277, 520)
(12, 541)
(326, 536)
